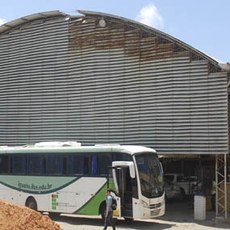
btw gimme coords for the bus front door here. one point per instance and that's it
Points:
(124, 187)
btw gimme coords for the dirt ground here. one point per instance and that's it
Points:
(15, 217)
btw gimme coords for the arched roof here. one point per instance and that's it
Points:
(29, 18)
(224, 66)
(50, 14)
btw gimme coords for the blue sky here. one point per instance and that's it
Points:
(203, 24)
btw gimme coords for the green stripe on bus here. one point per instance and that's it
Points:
(37, 184)
(92, 206)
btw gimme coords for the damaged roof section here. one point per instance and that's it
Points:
(135, 42)
(100, 31)
(104, 31)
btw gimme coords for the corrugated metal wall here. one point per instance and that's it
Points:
(75, 80)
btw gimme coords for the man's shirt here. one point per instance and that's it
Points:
(109, 202)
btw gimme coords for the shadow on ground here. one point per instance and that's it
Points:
(183, 212)
(120, 223)
(178, 214)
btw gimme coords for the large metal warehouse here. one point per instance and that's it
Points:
(99, 78)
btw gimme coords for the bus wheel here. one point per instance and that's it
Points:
(31, 203)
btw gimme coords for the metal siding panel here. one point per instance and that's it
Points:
(100, 85)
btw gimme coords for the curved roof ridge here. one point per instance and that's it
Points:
(17, 22)
(163, 34)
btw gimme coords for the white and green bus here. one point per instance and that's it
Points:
(65, 177)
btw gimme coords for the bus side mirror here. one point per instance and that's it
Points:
(132, 170)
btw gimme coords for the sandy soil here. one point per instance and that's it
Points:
(15, 217)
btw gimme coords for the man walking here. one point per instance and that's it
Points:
(109, 211)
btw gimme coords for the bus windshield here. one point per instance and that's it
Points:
(151, 175)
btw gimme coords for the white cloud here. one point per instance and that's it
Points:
(2, 21)
(150, 16)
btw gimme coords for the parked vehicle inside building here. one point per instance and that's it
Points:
(173, 191)
(187, 185)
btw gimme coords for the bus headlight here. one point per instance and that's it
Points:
(144, 204)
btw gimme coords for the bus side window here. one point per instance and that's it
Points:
(71, 165)
(54, 165)
(19, 164)
(122, 157)
(94, 165)
(75, 165)
(86, 166)
(82, 165)
(64, 167)
(35, 165)
(104, 160)
(4, 164)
